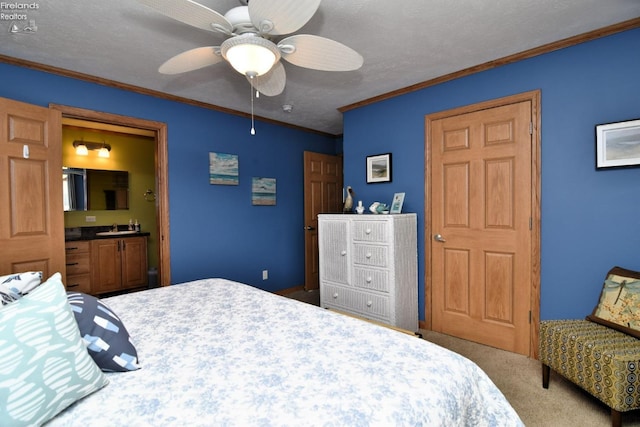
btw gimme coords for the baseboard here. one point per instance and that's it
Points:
(289, 290)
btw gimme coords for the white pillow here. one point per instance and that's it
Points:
(15, 286)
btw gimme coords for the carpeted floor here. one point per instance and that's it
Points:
(520, 380)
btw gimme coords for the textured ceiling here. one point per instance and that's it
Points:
(403, 42)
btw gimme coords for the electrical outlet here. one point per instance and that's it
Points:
(90, 218)
(265, 274)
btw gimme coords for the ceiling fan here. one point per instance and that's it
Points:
(251, 45)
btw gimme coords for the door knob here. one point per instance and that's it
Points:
(439, 238)
(310, 228)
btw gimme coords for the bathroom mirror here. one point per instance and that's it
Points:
(94, 189)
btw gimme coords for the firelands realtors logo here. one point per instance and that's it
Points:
(18, 14)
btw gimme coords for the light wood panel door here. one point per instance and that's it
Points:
(481, 225)
(31, 217)
(322, 194)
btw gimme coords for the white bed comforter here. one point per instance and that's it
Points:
(220, 353)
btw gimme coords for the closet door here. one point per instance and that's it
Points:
(31, 213)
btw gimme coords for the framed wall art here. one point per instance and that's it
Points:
(223, 169)
(379, 168)
(263, 191)
(618, 144)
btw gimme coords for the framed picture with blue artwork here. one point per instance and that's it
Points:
(396, 203)
(618, 144)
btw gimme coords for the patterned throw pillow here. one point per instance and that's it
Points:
(44, 365)
(619, 304)
(14, 286)
(104, 334)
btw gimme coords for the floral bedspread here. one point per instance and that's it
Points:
(220, 353)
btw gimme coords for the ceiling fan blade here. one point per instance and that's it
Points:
(319, 53)
(277, 17)
(190, 60)
(191, 13)
(272, 83)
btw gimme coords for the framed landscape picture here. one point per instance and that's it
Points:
(223, 169)
(263, 191)
(379, 168)
(618, 144)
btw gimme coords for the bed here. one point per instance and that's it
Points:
(218, 352)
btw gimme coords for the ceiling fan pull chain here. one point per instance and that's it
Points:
(253, 130)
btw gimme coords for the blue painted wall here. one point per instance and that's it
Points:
(215, 230)
(590, 219)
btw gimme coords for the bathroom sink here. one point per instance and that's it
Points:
(115, 233)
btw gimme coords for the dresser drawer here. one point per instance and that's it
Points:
(356, 301)
(77, 247)
(78, 264)
(371, 255)
(377, 280)
(79, 283)
(370, 231)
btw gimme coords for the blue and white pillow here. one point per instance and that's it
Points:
(15, 286)
(104, 334)
(44, 365)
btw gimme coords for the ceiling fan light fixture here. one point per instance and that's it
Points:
(250, 55)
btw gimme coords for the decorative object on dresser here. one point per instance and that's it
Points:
(368, 266)
(348, 201)
(396, 204)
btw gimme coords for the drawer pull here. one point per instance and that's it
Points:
(367, 231)
(75, 285)
(72, 263)
(369, 303)
(72, 249)
(343, 253)
(369, 279)
(335, 295)
(368, 255)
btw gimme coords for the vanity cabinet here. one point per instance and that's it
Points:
(368, 266)
(78, 266)
(118, 264)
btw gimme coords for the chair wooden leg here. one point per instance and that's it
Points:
(616, 418)
(546, 370)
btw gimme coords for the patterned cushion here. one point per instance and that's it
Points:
(601, 360)
(44, 365)
(104, 334)
(14, 286)
(619, 304)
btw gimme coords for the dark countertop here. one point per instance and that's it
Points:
(89, 233)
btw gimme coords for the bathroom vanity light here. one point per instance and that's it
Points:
(83, 147)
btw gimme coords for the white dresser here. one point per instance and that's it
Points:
(368, 266)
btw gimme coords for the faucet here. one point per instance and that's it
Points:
(114, 227)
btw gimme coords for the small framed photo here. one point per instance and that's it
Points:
(618, 144)
(379, 168)
(396, 204)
